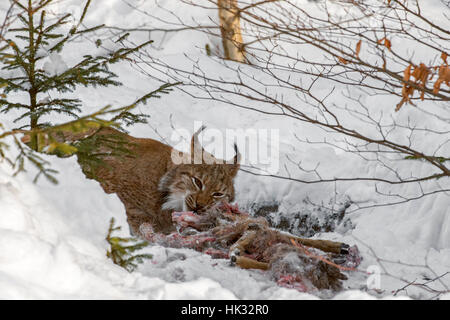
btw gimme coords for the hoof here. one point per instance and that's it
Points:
(345, 248)
(339, 260)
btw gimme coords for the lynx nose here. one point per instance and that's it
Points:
(199, 208)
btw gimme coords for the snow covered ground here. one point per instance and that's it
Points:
(52, 236)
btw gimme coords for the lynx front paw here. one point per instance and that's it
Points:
(344, 248)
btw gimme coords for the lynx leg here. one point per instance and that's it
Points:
(136, 218)
(135, 221)
(324, 245)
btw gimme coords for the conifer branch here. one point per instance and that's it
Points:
(20, 59)
(122, 250)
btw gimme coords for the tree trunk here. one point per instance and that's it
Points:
(230, 28)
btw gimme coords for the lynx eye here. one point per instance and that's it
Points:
(197, 182)
(217, 195)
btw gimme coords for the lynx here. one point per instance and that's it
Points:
(148, 182)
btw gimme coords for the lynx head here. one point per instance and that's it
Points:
(198, 187)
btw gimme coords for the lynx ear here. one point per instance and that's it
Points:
(195, 144)
(198, 154)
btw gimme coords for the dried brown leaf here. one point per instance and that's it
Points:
(444, 76)
(407, 73)
(387, 43)
(358, 48)
(342, 60)
(444, 57)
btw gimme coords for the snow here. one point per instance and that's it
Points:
(56, 65)
(52, 236)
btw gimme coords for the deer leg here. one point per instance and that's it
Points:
(248, 263)
(240, 246)
(324, 245)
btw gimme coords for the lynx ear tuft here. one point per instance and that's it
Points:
(237, 157)
(236, 161)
